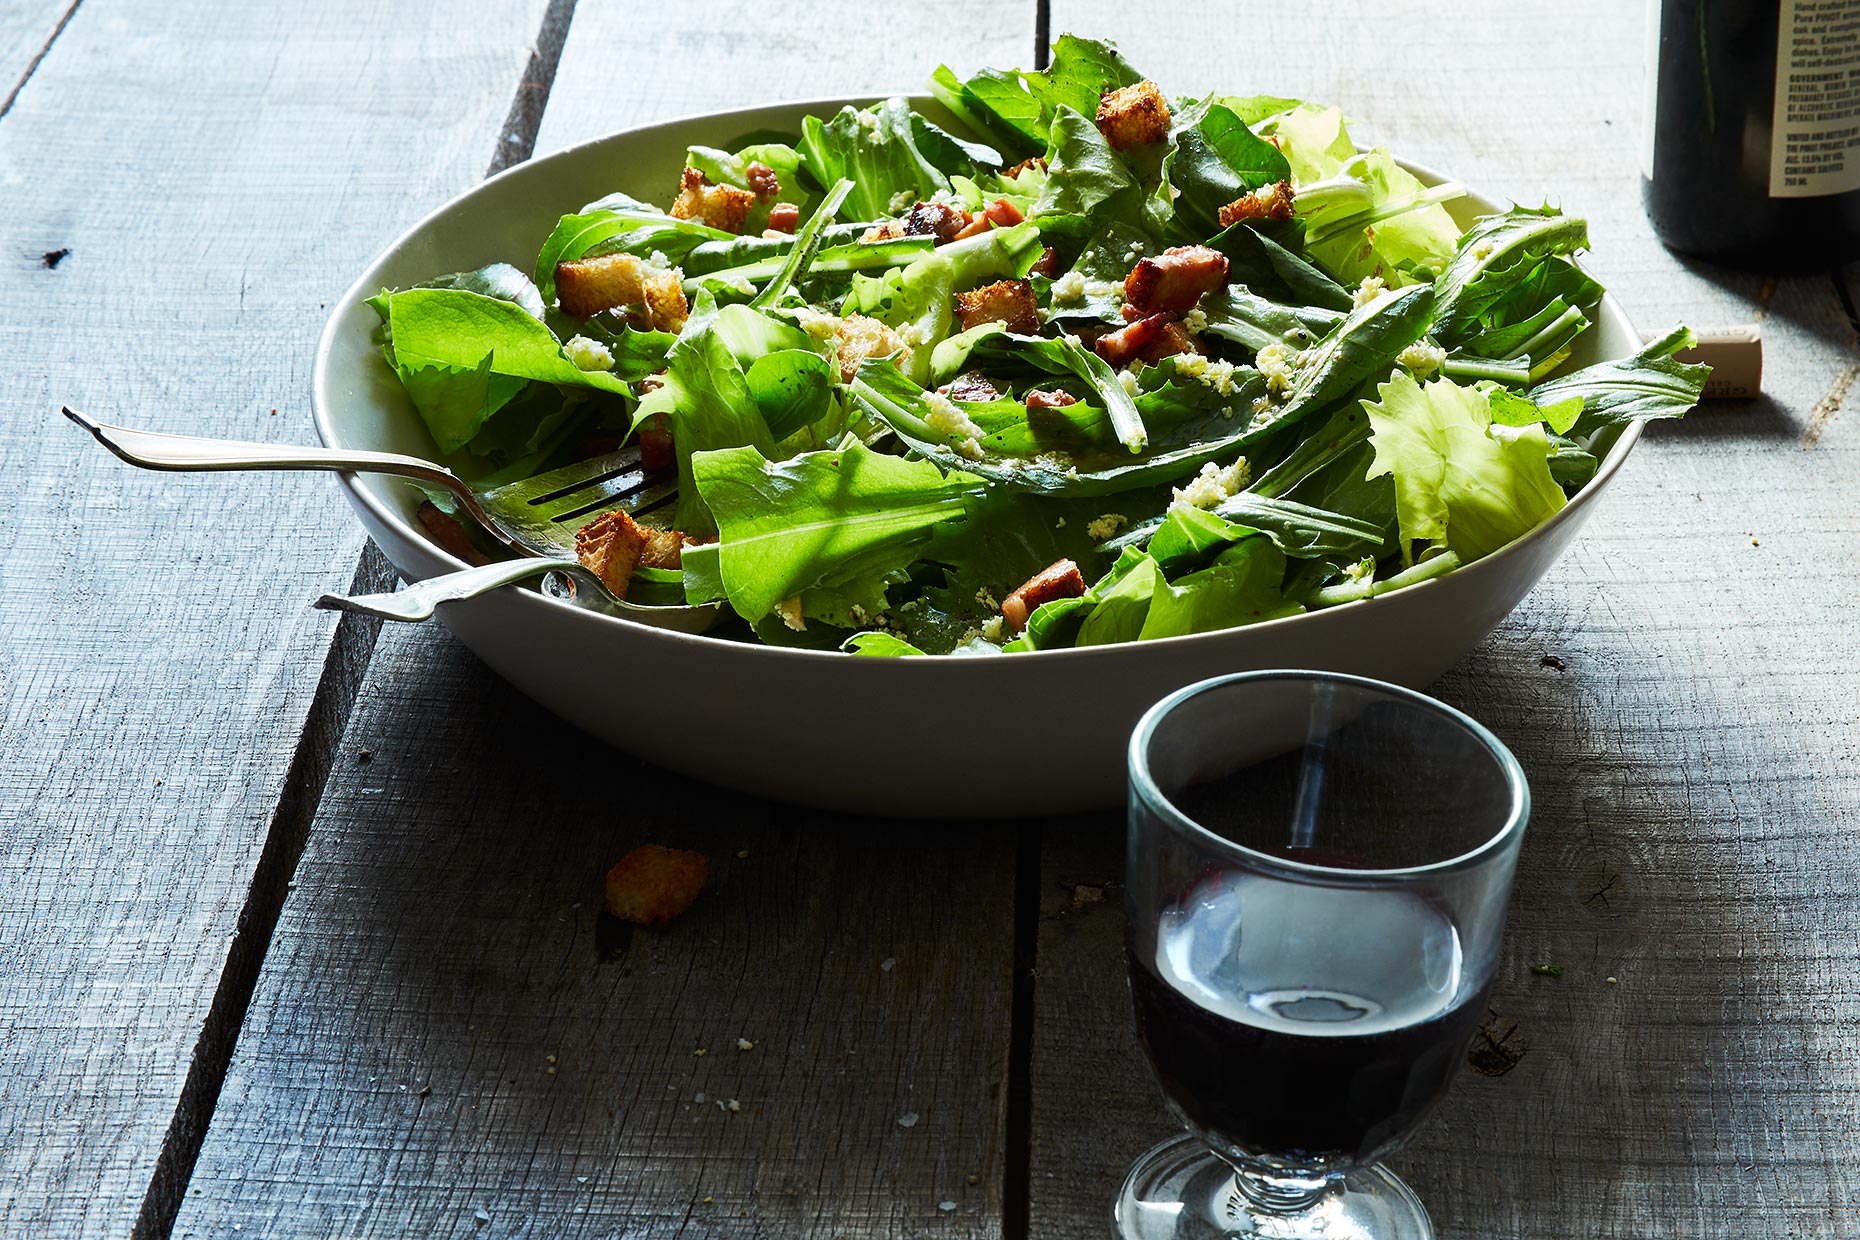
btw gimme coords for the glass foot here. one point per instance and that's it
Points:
(1181, 1191)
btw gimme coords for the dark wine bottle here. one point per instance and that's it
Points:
(1751, 152)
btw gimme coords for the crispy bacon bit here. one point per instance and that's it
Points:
(651, 295)
(1134, 116)
(1050, 398)
(1004, 213)
(933, 219)
(763, 182)
(972, 386)
(656, 453)
(444, 529)
(859, 337)
(1058, 580)
(1126, 345)
(1046, 265)
(1274, 202)
(612, 546)
(1173, 338)
(1175, 279)
(653, 884)
(720, 206)
(1008, 301)
(978, 225)
(784, 217)
(1013, 174)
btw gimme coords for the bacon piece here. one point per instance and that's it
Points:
(1272, 202)
(978, 224)
(444, 529)
(784, 217)
(720, 206)
(1050, 398)
(1134, 116)
(1175, 279)
(1173, 338)
(972, 386)
(1003, 213)
(1009, 301)
(656, 450)
(1060, 579)
(763, 182)
(934, 219)
(1046, 265)
(1126, 345)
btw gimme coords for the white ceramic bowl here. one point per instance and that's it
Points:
(932, 737)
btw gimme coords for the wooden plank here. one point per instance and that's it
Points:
(218, 178)
(27, 27)
(1696, 796)
(444, 932)
(740, 52)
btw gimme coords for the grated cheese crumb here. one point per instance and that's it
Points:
(1371, 288)
(986, 599)
(817, 323)
(902, 201)
(1275, 362)
(1128, 380)
(1423, 358)
(991, 629)
(1068, 289)
(1195, 321)
(952, 423)
(588, 354)
(1214, 484)
(1106, 526)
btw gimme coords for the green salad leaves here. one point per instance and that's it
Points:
(1055, 361)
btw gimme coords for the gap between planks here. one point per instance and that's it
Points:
(331, 706)
(6, 104)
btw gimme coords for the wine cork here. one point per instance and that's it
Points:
(1735, 355)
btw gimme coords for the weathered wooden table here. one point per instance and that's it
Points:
(298, 926)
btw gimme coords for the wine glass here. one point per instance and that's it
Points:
(1318, 870)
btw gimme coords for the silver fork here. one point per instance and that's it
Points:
(537, 518)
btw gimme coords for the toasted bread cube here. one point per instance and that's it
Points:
(1006, 301)
(1134, 116)
(610, 547)
(1269, 202)
(653, 884)
(890, 230)
(587, 286)
(720, 206)
(860, 337)
(1060, 579)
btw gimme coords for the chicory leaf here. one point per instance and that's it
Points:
(1650, 384)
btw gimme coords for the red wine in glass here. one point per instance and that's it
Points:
(1303, 1022)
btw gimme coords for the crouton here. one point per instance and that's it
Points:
(445, 530)
(1007, 301)
(890, 230)
(972, 386)
(1134, 116)
(612, 546)
(1174, 280)
(860, 337)
(587, 286)
(653, 884)
(1013, 174)
(934, 219)
(720, 206)
(784, 217)
(1269, 202)
(1058, 580)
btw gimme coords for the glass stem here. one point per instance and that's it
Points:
(1281, 1194)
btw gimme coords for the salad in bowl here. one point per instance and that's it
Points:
(1073, 363)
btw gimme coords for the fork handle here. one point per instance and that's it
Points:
(418, 600)
(157, 450)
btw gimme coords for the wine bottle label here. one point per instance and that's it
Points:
(1815, 138)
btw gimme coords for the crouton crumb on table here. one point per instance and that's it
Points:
(256, 986)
